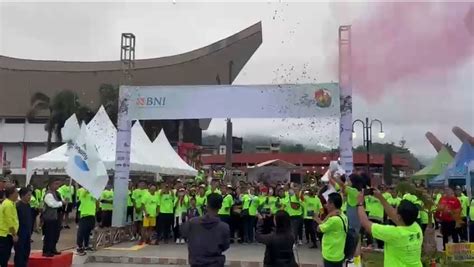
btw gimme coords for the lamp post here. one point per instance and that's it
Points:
(367, 135)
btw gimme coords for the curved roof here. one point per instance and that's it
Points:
(222, 60)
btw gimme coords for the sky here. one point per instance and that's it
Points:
(299, 46)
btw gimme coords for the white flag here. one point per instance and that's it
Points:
(84, 164)
(71, 129)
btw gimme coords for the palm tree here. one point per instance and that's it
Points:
(59, 108)
(109, 95)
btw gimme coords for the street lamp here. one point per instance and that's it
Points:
(367, 135)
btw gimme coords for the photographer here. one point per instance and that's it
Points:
(403, 241)
(279, 244)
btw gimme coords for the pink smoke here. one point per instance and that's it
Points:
(409, 40)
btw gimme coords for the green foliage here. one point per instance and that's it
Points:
(59, 108)
(109, 95)
(392, 148)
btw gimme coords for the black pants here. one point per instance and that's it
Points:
(129, 217)
(471, 231)
(310, 229)
(267, 224)
(51, 231)
(78, 213)
(449, 229)
(249, 228)
(106, 220)
(462, 231)
(225, 218)
(86, 225)
(177, 227)
(22, 250)
(332, 263)
(235, 226)
(297, 227)
(34, 214)
(165, 222)
(6, 244)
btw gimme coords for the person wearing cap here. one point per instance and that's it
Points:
(150, 209)
(9, 224)
(227, 202)
(294, 207)
(165, 213)
(181, 205)
(107, 206)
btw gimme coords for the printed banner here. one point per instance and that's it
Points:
(230, 101)
(460, 252)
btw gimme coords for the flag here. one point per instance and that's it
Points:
(84, 164)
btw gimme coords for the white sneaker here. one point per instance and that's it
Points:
(182, 241)
(177, 241)
(300, 242)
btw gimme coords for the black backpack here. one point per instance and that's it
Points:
(352, 239)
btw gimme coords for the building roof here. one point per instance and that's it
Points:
(221, 61)
(322, 158)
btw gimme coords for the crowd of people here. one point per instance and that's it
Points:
(282, 216)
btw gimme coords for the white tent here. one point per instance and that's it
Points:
(104, 134)
(167, 157)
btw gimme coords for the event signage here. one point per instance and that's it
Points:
(233, 101)
(211, 101)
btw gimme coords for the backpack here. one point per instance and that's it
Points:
(352, 239)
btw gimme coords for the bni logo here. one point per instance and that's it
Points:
(151, 102)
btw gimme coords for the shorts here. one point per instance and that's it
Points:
(149, 221)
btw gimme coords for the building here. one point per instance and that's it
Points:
(218, 63)
(316, 163)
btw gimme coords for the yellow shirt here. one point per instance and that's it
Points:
(8, 218)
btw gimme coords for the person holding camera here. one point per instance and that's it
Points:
(279, 243)
(402, 241)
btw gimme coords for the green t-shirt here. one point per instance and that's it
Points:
(137, 196)
(109, 196)
(402, 244)
(66, 192)
(352, 195)
(209, 191)
(273, 203)
(253, 205)
(34, 202)
(129, 199)
(88, 205)
(245, 201)
(312, 206)
(334, 238)
(375, 208)
(166, 203)
(394, 201)
(227, 203)
(464, 200)
(151, 204)
(294, 206)
(201, 202)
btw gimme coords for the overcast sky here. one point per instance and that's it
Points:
(299, 45)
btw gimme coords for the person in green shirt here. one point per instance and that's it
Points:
(66, 192)
(227, 203)
(201, 200)
(294, 207)
(166, 213)
(9, 224)
(311, 206)
(471, 221)
(333, 228)
(181, 205)
(150, 211)
(106, 207)
(130, 205)
(403, 240)
(137, 196)
(213, 188)
(375, 213)
(250, 207)
(88, 208)
(464, 200)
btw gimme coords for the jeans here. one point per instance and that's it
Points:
(51, 231)
(249, 228)
(6, 244)
(449, 229)
(22, 250)
(86, 225)
(310, 230)
(297, 227)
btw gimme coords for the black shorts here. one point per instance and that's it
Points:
(129, 214)
(106, 218)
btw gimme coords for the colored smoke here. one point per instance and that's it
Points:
(400, 41)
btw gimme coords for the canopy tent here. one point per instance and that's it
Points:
(165, 155)
(103, 132)
(439, 164)
(463, 162)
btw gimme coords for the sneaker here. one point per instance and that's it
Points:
(177, 241)
(91, 249)
(81, 252)
(300, 242)
(182, 241)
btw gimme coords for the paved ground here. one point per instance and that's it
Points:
(67, 240)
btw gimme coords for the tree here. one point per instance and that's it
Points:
(59, 108)
(109, 95)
